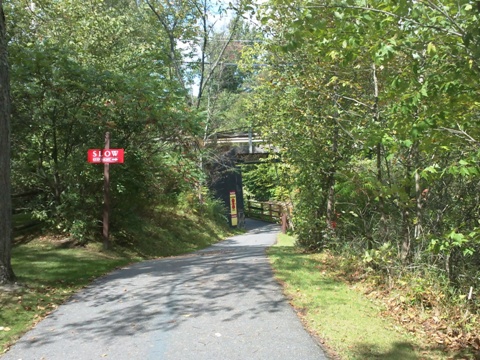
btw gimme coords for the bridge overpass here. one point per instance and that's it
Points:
(247, 147)
(225, 176)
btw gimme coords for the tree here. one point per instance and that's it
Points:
(6, 272)
(79, 69)
(398, 80)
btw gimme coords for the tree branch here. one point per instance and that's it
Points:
(461, 133)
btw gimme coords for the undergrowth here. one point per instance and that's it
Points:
(419, 300)
(424, 319)
(426, 305)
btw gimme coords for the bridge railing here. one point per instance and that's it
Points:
(270, 211)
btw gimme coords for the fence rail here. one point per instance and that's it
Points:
(269, 211)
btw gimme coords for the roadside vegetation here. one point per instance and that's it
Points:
(371, 109)
(81, 69)
(355, 315)
(50, 268)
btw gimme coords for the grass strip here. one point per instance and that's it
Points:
(347, 323)
(47, 275)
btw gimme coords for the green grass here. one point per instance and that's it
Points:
(49, 273)
(171, 232)
(347, 322)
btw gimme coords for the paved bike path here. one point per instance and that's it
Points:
(218, 303)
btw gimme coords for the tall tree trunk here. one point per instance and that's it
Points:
(170, 26)
(206, 76)
(331, 218)
(379, 155)
(331, 182)
(56, 175)
(406, 236)
(418, 194)
(406, 250)
(6, 272)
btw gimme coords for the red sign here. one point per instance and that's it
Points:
(105, 156)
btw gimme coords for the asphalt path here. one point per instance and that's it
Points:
(218, 303)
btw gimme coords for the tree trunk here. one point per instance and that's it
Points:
(407, 250)
(418, 195)
(331, 218)
(406, 238)
(379, 155)
(6, 272)
(331, 182)
(57, 191)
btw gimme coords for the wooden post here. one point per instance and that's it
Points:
(106, 196)
(250, 141)
(284, 221)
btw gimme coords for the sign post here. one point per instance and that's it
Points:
(110, 156)
(106, 196)
(106, 157)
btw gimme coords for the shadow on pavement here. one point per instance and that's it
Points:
(259, 227)
(161, 295)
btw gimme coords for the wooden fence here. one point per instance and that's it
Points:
(269, 211)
